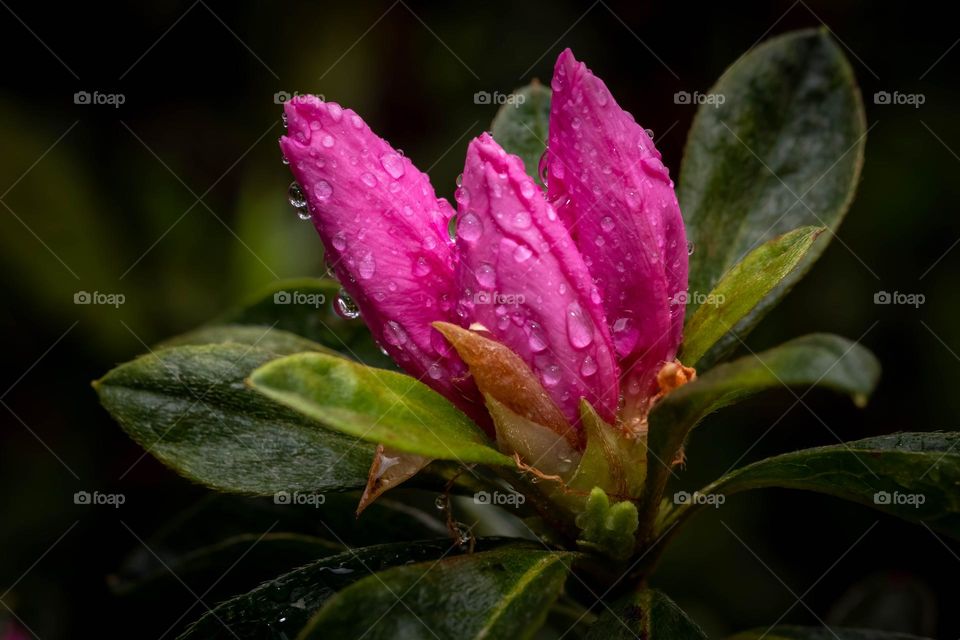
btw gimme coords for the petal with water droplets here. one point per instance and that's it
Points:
(385, 234)
(521, 277)
(618, 201)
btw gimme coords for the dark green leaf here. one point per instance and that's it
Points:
(263, 338)
(305, 307)
(521, 126)
(496, 594)
(915, 476)
(818, 359)
(783, 150)
(281, 607)
(820, 633)
(742, 288)
(648, 614)
(189, 407)
(379, 406)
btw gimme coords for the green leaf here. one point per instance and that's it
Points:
(818, 359)
(521, 127)
(791, 127)
(496, 594)
(305, 307)
(263, 338)
(612, 461)
(786, 632)
(284, 605)
(189, 407)
(915, 476)
(742, 288)
(379, 406)
(648, 614)
(608, 529)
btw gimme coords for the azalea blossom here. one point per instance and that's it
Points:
(584, 282)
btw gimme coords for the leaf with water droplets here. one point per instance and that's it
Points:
(521, 127)
(378, 406)
(742, 288)
(783, 150)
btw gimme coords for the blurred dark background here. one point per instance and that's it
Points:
(176, 199)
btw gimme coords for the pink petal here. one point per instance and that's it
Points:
(386, 238)
(521, 277)
(609, 185)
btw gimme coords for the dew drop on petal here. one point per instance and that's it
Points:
(367, 266)
(527, 189)
(588, 367)
(322, 190)
(469, 227)
(607, 224)
(550, 375)
(522, 253)
(392, 164)
(369, 179)
(521, 220)
(486, 276)
(335, 111)
(542, 166)
(435, 371)
(339, 241)
(649, 132)
(579, 327)
(535, 338)
(295, 193)
(420, 267)
(460, 180)
(394, 334)
(327, 141)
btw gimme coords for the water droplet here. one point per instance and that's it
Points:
(462, 196)
(486, 276)
(440, 503)
(340, 241)
(420, 267)
(579, 327)
(327, 141)
(284, 159)
(459, 180)
(522, 253)
(550, 375)
(283, 117)
(356, 121)
(295, 193)
(469, 228)
(521, 220)
(367, 266)
(345, 306)
(535, 338)
(369, 179)
(607, 224)
(435, 371)
(392, 164)
(649, 132)
(588, 367)
(527, 189)
(690, 248)
(322, 190)
(394, 334)
(335, 111)
(542, 166)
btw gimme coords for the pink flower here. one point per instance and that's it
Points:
(580, 282)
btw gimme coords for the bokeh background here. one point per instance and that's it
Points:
(176, 199)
